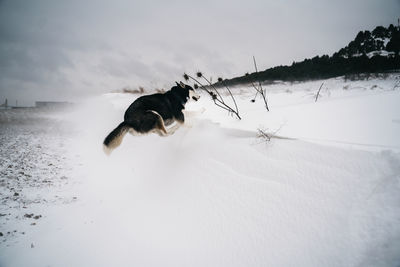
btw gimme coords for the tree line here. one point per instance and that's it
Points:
(357, 57)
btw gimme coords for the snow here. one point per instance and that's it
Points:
(382, 53)
(212, 194)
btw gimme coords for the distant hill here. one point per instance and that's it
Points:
(369, 52)
(381, 41)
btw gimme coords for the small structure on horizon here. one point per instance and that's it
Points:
(5, 105)
(52, 104)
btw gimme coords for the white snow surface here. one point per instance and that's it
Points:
(214, 194)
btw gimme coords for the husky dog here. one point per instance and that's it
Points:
(151, 113)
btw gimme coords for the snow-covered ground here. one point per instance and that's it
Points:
(212, 194)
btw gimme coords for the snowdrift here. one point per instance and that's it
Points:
(213, 194)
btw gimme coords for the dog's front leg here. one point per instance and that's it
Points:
(190, 116)
(193, 113)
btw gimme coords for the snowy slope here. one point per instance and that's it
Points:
(213, 194)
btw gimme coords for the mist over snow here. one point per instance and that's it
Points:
(68, 50)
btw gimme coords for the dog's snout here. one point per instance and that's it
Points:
(193, 95)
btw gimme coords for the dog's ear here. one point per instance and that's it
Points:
(181, 84)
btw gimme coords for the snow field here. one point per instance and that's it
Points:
(214, 194)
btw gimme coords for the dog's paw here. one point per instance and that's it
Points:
(187, 125)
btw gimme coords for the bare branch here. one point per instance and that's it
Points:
(233, 99)
(316, 98)
(263, 134)
(260, 89)
(217, 98)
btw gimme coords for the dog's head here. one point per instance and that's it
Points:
(185, 91)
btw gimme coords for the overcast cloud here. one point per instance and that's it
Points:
(63, 50)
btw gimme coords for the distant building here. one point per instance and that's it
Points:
(52, 104)
(5, 105)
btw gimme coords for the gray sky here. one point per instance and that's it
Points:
(63, 50)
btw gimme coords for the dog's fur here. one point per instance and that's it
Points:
(151, 113)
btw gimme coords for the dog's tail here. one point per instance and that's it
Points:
(114, 139)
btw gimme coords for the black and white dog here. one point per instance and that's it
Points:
(151, 113)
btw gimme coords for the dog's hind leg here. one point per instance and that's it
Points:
(159, 127)
(172, 129)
